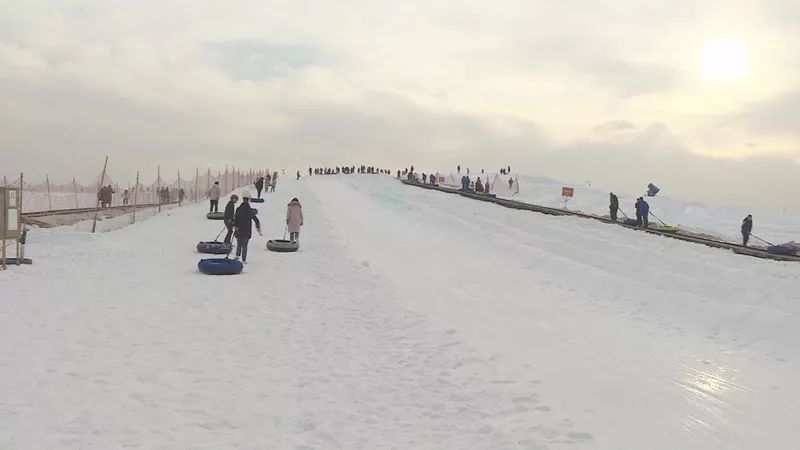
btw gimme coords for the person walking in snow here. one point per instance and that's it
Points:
(433, 179)
(125, 197)
(230, 217)
(259, 184)
(511, 183)
(644, 207)
(298, 175)
(478, 185)
(638, 206)
(244, 227)
(274, 182)
(294, 219)
(747, 228)
(613, 206)
(458, 170)
(213, 197)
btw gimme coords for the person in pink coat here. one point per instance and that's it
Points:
(294, 219)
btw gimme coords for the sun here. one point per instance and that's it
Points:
(724, 60)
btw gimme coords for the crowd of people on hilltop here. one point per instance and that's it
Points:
(346, 170)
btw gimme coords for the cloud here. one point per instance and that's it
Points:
(255, 60)
(777, 115)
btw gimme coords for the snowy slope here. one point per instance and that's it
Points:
(715, 220)
(409, 319)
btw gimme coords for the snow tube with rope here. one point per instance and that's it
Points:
(255, 211)
(220, 266)
(256, 200)
(630, 222)
(782, 250)
(282, 246)
(215, 215)
(214, 247)
(668, 229)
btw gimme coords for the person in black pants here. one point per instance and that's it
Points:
(613, 206)
(244, 227)
(230, 211)
(747, 228)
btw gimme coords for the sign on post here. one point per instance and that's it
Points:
(567, 193)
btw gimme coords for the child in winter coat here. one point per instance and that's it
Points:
(294, 219)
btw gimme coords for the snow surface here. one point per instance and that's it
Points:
(408, 319)
(721, 221)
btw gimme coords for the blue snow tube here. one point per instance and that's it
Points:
(630, 222)
(220, 266)
(256, 200)
(782, 250)
(255, 211)
(214, 248)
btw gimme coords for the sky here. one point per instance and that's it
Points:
(700, 98)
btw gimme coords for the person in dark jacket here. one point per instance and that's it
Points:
(244, 227)
(638, 206)
(613, 206)
(747, 228)
(644, 207)
(478, 185)
(230, 216)
(259, 186)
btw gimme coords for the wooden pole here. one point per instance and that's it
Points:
(19, 214)
(136, 197)
(49, 200)
(75, 192)
(97, 205)
(158, 189)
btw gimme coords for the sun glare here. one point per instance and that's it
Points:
(724, 60)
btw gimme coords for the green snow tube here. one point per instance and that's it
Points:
(668, 229)
(215, 215)
(282, 246)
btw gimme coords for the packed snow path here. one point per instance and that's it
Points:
(408, 319)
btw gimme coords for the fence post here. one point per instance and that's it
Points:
(97, 204)
(75, 191)
(135, 197)
(158, 188)
(49, 200)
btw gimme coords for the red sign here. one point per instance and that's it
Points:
(567, 191)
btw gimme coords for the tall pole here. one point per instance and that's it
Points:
(179, 187)
(158, 188)
(97, 205)
(196, 176)
(49, 200)
(135, 197)
(19, 214)
(75, 191)
(226, 180)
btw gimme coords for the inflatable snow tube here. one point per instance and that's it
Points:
(282, 246)
(668, 229)
(781, 250)
(220, 266)
(255, 211)
(215, 215)
(630, 222)
(256, 200)
(214, 248)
